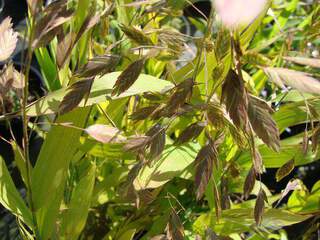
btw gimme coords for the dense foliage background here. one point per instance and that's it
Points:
(160, 119)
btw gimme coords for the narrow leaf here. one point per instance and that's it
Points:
(51, 170)
(285, 170)
(10, 197)
(75, 217)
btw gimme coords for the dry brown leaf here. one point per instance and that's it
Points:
(8, 39)
(11, 79)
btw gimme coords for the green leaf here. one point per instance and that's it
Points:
(289, 149)
(173, 162)
(50, 172)
(10, 197)
(74, 219)
(20, 162)
(272, 218)
(100, 92)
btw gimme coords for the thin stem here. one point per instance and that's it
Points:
(107, 116)
(206, 35)
(25, 122)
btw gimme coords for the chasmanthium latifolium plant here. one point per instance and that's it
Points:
(161, 124)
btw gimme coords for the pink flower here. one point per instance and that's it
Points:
(238, 12)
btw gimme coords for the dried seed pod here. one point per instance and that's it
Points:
(190, 133)
(285, 170)
(76, 92)
(136, 35)
(128, 77)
